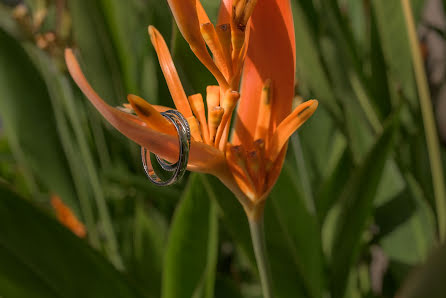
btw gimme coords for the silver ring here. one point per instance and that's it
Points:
(179, 167)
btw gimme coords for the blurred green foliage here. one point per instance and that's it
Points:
(353, 212)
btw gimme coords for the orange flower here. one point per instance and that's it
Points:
(256, 38)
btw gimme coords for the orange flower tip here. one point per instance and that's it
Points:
(139, 105)
(289, 125)
(215, 117)
(151, 117)
(307, 108)
(217, 112)
(70, 59)
(242, 11)
(197, 105)
(67, 217)
(206, 27)
(152, 30)
(196, 102)
(127, 108)
(194, 129)
(212, 97)
(230, 100)
(249, 9)
(207, 33)
(214, 89)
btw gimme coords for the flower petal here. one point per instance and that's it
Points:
(188, 21)
(150, 115)
(202, 158)
(170, 73)
(202, 15)
(289, 125)
(224, 13)
(271, 55)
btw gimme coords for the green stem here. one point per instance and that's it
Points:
(258, 241)
(428, 120)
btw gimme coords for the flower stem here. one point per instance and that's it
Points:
(433, 145)
(258, 241)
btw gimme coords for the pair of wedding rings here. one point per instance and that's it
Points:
(179, 168)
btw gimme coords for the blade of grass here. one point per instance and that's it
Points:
(428, 120)
(56, 95)
(356, 207)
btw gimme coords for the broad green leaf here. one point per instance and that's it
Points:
(192, 245)
(293, 241)
(49, 258)
(427, 281)
(17, 279)
(356, 207)
(29, 121)
(417, 227)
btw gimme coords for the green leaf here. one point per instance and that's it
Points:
(417, 227)
(293, 241)
(29, 121)
(191, 252)
(47, 258)
(356, 207)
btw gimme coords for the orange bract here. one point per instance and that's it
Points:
(256, 38)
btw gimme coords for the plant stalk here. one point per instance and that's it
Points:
(428, 120)
(258, 240)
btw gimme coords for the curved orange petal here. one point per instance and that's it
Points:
(271, 55)
(188, 21)
(170, 73)
(148, 113)
(289, 125)
(203, 158)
